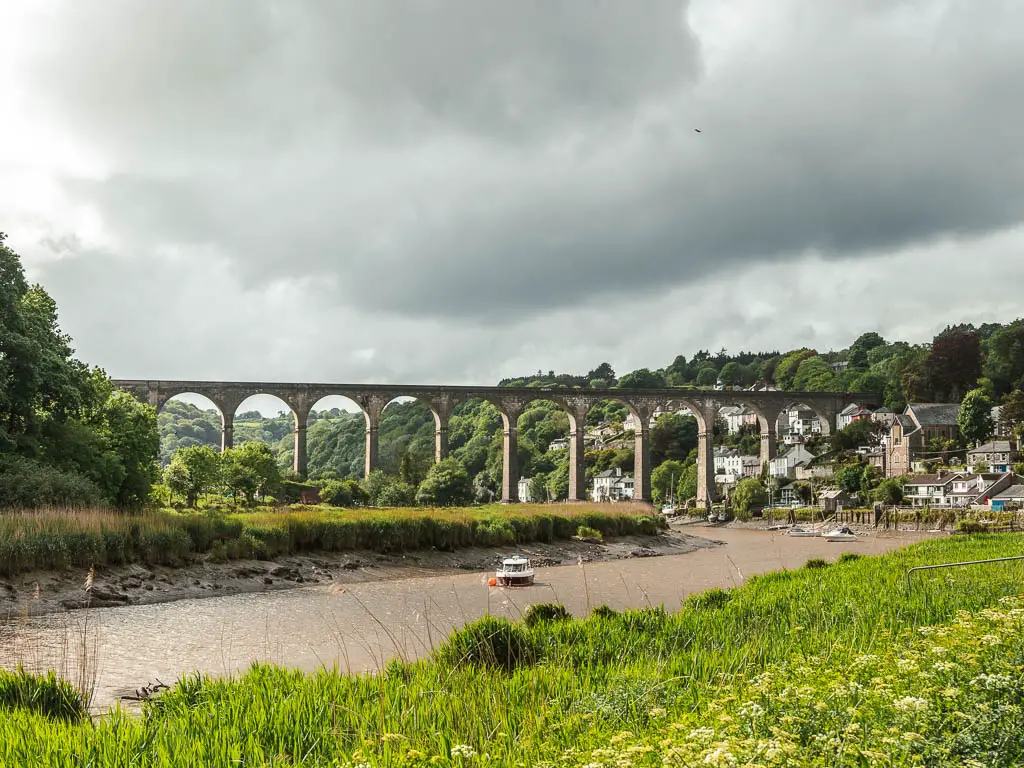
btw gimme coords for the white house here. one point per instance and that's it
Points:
(956, 489)
(612, 485)
(738, 416)
(558, 444)
(731, 466)
(785, 465)
(524, 489)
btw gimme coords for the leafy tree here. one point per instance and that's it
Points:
(954, 365)
(193, 471)
(539, 487)
(707, 376)
(749, 496)
(975, 419)
(890, 491)
(336, 493)
(673, 437)
(129, 431)
(374, 484)
(849, 478)
(642, 378)
(856, 434)
(687, 486)
(604, 372)
(664, 479)
(732, 374)
(1004, 357)
(786, 368)
(558, 479)
(447, 484)
(250, 470)
(859, 350)
(814, 375)
(397, 494)
(1011, 415)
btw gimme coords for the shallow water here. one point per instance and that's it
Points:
(359, 627)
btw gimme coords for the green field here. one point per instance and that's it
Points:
(54, 539)
(825, 665)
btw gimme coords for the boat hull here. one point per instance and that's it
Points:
(841, 537)
(518, 580)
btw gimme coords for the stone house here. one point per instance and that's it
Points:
(731, 466)
(998, 456)
(914, 429)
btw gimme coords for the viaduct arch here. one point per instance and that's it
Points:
(511, 402)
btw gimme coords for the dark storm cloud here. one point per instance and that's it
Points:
(471, 158)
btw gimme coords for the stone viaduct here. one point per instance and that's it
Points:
(510, 402)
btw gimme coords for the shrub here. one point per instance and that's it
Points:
(28, 484)
(489, 642)
(586, 533)
(336, 493)
(46, 695)
(604, 612)
(544, 612)
(848, 557)
(970, 526)
(816, 562)
(396, 494)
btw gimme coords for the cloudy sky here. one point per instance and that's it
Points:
(459, 190)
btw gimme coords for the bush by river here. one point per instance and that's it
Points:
(832, 665)
(57, 539)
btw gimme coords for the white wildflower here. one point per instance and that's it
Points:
(463, 750)
(910, 704)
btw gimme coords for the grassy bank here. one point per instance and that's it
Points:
(57, 539)
(756, 675)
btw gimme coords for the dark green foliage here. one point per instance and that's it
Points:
(708, 600)
(545, 612)
(849, 557)
(816, 562)
(57, 413)
(489, 642)
(28, 483)
(46, 695)
(604, 612)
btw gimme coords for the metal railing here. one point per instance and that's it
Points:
(954, 565)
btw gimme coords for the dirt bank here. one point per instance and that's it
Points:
(51, 592)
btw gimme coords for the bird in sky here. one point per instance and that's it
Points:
(698, 130)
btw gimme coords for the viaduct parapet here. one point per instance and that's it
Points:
(510, 402)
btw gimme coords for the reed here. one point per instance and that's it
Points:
(588, 690)
(56, 539)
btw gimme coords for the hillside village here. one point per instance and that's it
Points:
(915, 445)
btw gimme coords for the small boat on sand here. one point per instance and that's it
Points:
(515, 571)
(842, 533)
(797, 531)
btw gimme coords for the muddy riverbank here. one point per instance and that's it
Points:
(52, 592)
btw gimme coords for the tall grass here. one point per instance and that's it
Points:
(57, 539)
(548, 691)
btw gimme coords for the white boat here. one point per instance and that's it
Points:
(515, 571)
(803, 532)
(842, 533)
(722, 517)
(668, 510)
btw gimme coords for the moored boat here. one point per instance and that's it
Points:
(842, 533)
(796, 531)
(515, 571)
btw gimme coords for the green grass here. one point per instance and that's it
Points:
(633, 685)
(55, 539)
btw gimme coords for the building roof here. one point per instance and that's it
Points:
(935, 414)
(883, 410)
(996, 446)
(851, 408)
(1012, 493)
(932, 479)
(906, 422)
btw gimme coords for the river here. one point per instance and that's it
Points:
(358, 627)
